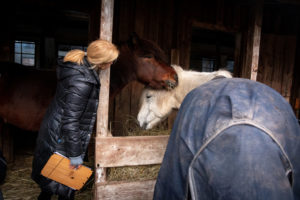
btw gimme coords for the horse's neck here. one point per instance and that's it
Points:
(188, 80)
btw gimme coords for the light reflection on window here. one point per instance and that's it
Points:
(25, 53)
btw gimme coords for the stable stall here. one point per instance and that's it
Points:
(258, 40)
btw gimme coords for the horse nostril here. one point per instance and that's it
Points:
(176, 77)
(170, 84)
(144, 126)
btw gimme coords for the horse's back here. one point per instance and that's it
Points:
(25, 93)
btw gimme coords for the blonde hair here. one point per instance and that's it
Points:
(98, 52)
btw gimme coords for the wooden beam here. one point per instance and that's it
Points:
(253, 41)
(293, 2)
(126, 190)
(175, 56)
(104, 76)
(256, 40)
(106, 25)
(214, 27)
(130, 151)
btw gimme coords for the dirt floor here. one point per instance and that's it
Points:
(18, 184)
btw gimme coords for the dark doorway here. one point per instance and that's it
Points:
(212, 50)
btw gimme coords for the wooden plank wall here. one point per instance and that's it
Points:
(277, 62)
(276, 65)
(169, 24)
(150, 20)
(295, 94)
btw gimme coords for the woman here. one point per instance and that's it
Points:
(70, 118)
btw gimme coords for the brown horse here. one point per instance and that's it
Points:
(26, 93)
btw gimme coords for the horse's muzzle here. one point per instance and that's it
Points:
(144, 126)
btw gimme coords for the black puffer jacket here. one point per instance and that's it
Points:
(69, 120)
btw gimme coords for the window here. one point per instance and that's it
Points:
(230, 65)
(63, 49)
(25, 53)
(212, 50)
(208, 64)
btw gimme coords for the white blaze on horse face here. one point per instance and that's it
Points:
(146, 113)
(155, 107)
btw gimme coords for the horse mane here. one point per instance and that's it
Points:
(145, 48)
(154, 49)
(189, 79)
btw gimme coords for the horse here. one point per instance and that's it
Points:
(156, 105)
(26, 93)
(143, 61)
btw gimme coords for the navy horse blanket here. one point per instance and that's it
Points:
(232, 139)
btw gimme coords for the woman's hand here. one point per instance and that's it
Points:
(75, 162)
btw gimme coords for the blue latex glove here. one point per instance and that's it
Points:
(76, 161)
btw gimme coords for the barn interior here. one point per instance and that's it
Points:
(199, 35)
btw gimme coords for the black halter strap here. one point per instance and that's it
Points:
(218, 77)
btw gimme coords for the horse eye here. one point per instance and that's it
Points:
(148, 56)
(148, 96)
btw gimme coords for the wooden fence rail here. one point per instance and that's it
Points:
(138, 190)
(128, 151)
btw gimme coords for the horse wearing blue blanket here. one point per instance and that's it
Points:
(232, 139)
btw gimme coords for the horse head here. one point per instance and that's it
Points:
(156, 105)
(151, 63)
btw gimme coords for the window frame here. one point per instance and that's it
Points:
(22, 53)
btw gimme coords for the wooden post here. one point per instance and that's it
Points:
(106, 25)
(256, 40)
(253, 41)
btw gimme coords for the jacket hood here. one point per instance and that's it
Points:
(70, 69)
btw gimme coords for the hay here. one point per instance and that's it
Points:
(132, 128)
(136, 173)
(18, 184)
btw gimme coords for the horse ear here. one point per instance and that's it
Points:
(134, 39)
